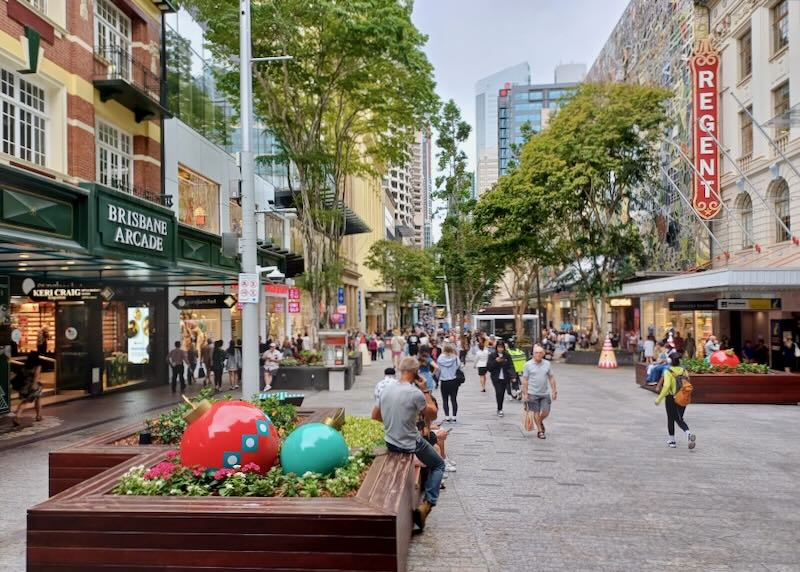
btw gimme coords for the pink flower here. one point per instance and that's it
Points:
(251, 468)
(171, 455)
(162, 470)
(198, 471)
(223, 474)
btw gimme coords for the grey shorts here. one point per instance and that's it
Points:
(539, 403)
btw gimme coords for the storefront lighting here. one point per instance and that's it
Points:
(24, 255)
(70, 262)
(106, 268)
(63, 268)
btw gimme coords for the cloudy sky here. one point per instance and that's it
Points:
(471, 39)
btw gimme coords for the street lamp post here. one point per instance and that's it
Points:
(447, 302)
(248, 244)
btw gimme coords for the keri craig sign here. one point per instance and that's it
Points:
(705, 97)
(133, 227)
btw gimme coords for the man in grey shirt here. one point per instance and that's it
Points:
(400, 406)
(536, 376)
(176, 358)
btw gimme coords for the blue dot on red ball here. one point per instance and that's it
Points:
(263, 426)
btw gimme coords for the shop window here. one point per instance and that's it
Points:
(746, 54)
(780, 26)
(24, 118)
(198, 202)
(114, 157)
(780, 198)
(744, 204)
(235, 214)
(112, 36)
(40, 5)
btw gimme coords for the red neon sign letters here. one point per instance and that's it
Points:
(705, 77)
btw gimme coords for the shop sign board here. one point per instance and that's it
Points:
(340, 296)
(204, 302)
(278, 289)
(705, 78)
(126, 225)
(57, 291)
(337, 318)
(620, 302)
(749, 304)
(692, 305)
(248, 288)
(294, 307)
(341, 309)
(359, 305)
(294, 293)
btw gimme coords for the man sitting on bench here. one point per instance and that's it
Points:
(399, 407)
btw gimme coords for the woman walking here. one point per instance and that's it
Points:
(481, 361)
(448, 372)
(501, 371)
(218, 357)
(29, 387)
(427, 367)
(373, 348)
(233, 361)
(674, 411)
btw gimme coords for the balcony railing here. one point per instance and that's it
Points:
(142, 192)
(781, 142)
(745, 161)
(120, 75)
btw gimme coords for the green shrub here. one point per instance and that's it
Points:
(362, 432)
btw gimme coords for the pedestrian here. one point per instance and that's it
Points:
(233, 360)
(388, 377)
(689, 345)
(448, 374)
(287, 351)
(760, 352)
(675, 412)
(272, 361)
(413, 343)
(788, 354)
(28, 384)
(481, 361)
(176, 359)
(41, 341)
(399, 408)
(239, 363)
(191, 360)
(649, 349)
(537, 375)
(381, 347)
(206, 356)
(373, 347)
(398, 343)
(463, 350)
(711, 345)
(427, 367)
(307, 346)
(501, 370)
(218, 358)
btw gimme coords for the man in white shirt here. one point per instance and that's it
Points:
(536, 377)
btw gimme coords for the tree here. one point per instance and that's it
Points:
(349, 102)
(405, 270)
(589, 165)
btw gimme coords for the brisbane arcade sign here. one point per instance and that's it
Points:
(705, 98)
(134, 227)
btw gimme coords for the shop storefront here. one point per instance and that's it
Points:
(87, 271)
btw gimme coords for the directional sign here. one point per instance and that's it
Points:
(204, 302)
(248, 288)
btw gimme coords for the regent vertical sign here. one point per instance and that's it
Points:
(705, 78)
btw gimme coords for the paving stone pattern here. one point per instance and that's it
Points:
(603, 491)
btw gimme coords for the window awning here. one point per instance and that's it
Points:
(353, 224)
(711, 280)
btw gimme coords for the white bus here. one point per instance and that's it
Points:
(502, 325)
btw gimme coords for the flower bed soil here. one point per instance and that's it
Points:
(86, 528)
(76, 463)
(776, 387)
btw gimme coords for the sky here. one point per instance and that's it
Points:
(471, 39)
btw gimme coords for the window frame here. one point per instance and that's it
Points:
(38, 5)
(781, 203)
(745, 207)
(212, 207)
(779, 23)
(35, 106)
(125, 184)
(746, 131)
(745, 55)
(118, 36)
(781, 105)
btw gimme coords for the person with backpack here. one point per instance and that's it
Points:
(449, 381)
(676, 395)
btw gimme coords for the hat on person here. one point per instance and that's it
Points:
(389, 371)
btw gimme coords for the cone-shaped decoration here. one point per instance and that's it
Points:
(607, 358)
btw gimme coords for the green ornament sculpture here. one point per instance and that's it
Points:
(314, 447)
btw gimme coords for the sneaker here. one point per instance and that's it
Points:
(672, 444)
(692, 438)
(455, 420)
(447, 420)
(421, 514)
(500, 413)
(449, 467)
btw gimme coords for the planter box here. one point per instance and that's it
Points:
(773, 388)
(86, 528)
(588, 357)
(301, 377)
(74, 464)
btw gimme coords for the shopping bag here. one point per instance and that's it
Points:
(527, 419)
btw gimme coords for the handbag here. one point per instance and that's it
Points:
(796, 351)
(201, 373)
(460, 377)
(527, 419)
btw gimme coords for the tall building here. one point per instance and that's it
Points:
(570, 73)
(524, 105)
(486, 92)
(421, 187)
(398, 183)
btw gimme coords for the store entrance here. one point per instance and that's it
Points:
(72, 340)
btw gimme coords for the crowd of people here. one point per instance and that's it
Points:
(427, 361)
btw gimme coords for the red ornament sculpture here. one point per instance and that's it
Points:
(724, 357)
(229, 433)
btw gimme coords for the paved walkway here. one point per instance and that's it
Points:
(603, 492)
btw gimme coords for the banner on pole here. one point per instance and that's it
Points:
(705, 97)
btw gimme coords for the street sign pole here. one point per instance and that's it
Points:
(248, 241)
